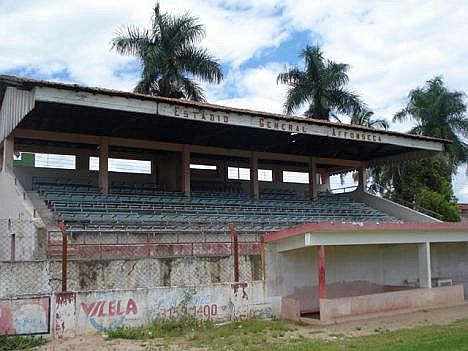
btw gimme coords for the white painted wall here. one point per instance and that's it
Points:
(450, 260)
(350, 270)
(96, 311)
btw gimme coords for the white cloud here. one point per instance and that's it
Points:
(253, 88)
(392, 46)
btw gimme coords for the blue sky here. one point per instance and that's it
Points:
(391, 46)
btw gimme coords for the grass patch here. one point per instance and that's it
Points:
(160, 329)
(257, 335)
(17, 342)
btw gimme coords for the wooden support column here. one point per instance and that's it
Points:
(325, 177)
(254, 189)
(362, 171)
(185, 171)
(424, 259)
(321, 271)
(82, 162)
(104, 165)
(8, 150)
(313, 178)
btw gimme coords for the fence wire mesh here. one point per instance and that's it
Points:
(34, 260)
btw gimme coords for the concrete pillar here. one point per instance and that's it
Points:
(104, 165)
(313, 178)
(254, 189)
(424, 259)
(362, 174)
(185, 171)
(8, 151)
(321, 272)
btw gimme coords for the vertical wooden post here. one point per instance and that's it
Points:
(321, 271)
(325, 177)
(254, 190)
(8, 151)
(185, 171)
(313, 178)
(362, 177)
(104, 165)
(235, 251)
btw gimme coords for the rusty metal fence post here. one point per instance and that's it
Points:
(235, 250)
(64, 255)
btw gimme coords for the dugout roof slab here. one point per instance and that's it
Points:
(56, 107)
(367, 233)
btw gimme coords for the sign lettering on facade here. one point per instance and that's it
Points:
(293, 126)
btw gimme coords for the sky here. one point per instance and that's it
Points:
(391, 46)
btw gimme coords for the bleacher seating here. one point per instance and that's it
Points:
(147, 208)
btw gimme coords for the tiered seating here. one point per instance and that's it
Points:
(146, 208)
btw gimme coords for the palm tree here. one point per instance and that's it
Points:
(364, 117)
(322, 85)
(439, 113)
(169, 56)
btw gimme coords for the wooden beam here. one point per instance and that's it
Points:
(104, 165)
(185, 170)
(321, 272)
(8, 151)
(254, 189)
(363, 176)
(313, 178)
(165, 146)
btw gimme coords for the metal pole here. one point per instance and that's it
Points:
(13, 247)
(235, 251)
(64, 255)
(321, 271)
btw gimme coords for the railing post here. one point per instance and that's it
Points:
(64, 256)
(262, 256)
(235, 251)
(13, 247)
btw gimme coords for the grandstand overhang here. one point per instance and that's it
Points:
(37, 110)
(334, 234)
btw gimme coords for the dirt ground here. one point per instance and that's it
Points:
(345, 329)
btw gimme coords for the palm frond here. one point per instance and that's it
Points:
(201, 64)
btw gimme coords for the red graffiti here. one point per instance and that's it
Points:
(236, 287)
(109, 308)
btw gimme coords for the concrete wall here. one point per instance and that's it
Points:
(450, 260)
(341, 308)
(96, 311)
(14, 203)
(45, 277)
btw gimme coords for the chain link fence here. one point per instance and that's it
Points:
(57, 260)
(35, 262)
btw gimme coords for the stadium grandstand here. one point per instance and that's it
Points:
(139, 170)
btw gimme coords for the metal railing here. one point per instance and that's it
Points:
(381, 189)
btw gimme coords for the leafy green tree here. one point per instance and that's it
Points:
(364, 117)
(169, 56)
(424, 183)
(438, 112)
(322, 84)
